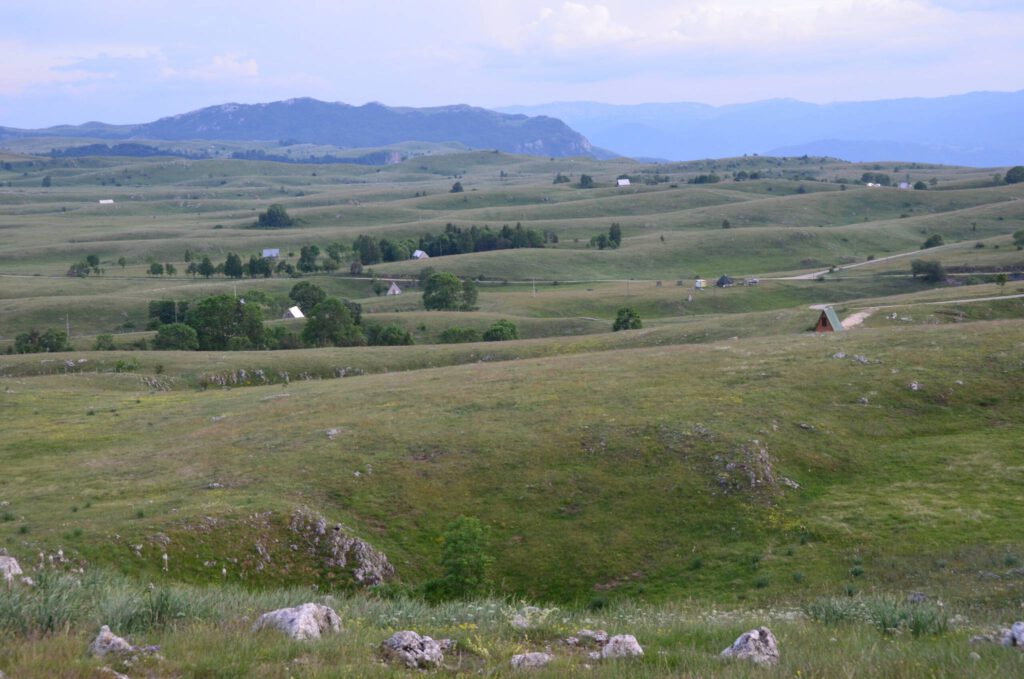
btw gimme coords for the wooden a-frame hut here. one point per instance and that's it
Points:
(828, 321)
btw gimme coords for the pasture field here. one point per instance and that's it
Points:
(719, 468)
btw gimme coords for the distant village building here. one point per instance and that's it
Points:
(700, 284)
(904, 186)
(394, 290)
(294, 312)
(419, 254)
(271, 253)
(622, 182)
(828, 321)
(106, 201)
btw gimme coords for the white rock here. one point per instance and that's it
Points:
(412, 650)
(9, 568)
(599, 637)
(621, 646)
(308, 621)
(108, 642)
(757, 645)
(529, 661)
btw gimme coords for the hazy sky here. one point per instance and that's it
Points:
(125, 61)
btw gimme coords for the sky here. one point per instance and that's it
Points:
(130, 61)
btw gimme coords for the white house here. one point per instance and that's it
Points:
(106, 201)
(294, 312)
(271, 253)
(394, 289)
(419, 254)
(700, 284)
(904, 186)
(622, 182)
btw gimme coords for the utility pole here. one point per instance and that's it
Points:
(67, 326)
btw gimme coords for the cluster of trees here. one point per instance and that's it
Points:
(1015, 175)
(704, 179)
(929, 271)
(876, 178)
(455, 240)
(561, 179)
(743, 175)
(443, 291)
(91, 264)
(226, 323)
(274, 217)
(35, 342)
(933, 241)
(611, 240)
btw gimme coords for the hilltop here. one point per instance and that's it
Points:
(309, 121)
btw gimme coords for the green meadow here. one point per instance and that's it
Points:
(717, 469)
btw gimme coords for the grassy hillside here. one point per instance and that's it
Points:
(720, 457)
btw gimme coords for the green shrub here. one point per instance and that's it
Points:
(501, 331)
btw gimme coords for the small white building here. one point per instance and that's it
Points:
(394, 290)
(622, 182)
(700, 284)
(904, 186)
(271, 253)
(106, 201)
(419, 254)
(294, 312)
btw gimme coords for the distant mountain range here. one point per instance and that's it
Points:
(979, 129)
(310, 121)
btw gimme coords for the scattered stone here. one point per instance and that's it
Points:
(1013, 636)
(108, 642)
(412, 650)
(805, 426)
(913, 386)
(592, 637)
(214, 485)
(621, 646)
(863, 360)
(217, 418)
(974, 656)
(594, 655)
(959, 383)
(839, 354)
(9, 568)
(332, 433)
(788, 482)
(308, 621)
(863, 400)
(757, 645)
(917, 598)
(529, 661)
(340, 550)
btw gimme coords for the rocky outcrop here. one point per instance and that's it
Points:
(621, 646)
(411, 650)
(757, 645)
(308, 621)
(530, 661)
(339, 549)
(106, 642)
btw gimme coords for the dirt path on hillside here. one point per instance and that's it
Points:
(858, 317)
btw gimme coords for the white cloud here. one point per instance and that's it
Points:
(229, 66)
(575, 25)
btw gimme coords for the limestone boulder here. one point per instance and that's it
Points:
(106, 643)
(530, 661)
(308, 621)
(621, 646)
(411, 650)
(757, 645)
